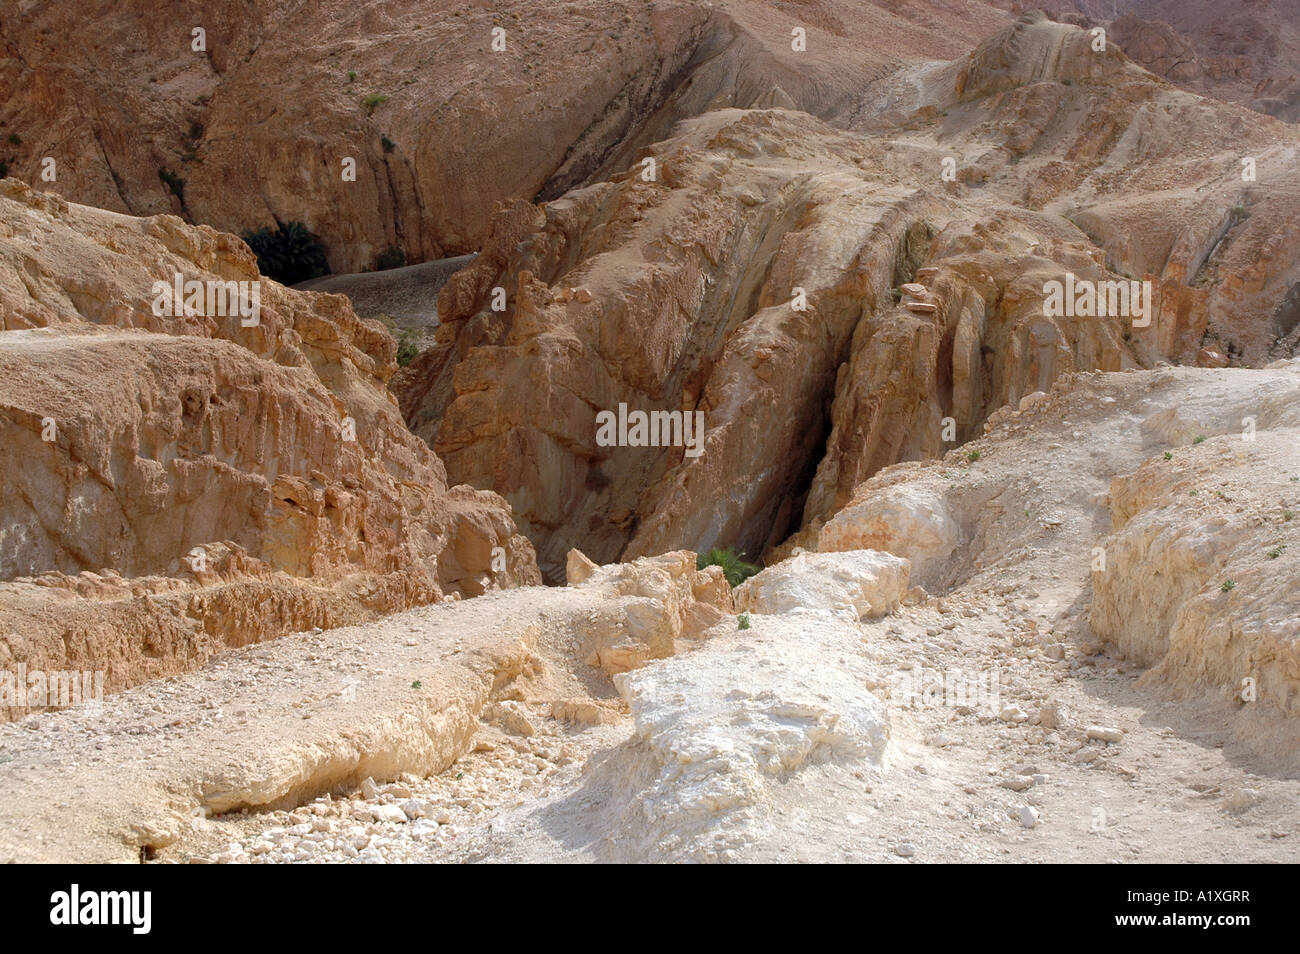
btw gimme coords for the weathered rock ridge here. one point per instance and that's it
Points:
(175, 484)
(922, 298)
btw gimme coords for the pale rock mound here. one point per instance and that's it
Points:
(907, 520)
(856, 583)
(719, 731)
(657, 602)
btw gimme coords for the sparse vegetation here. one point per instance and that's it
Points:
(417, 684)
(173, 182)
(289, 253)
(1199, 439)
(407, 347)
(742, 621)
(973, 456)
(372, 102)
(387, 143)
(734, 567)
(391, 257)
(1228, 585)
(15, 139)
(352, 76)
(1168, 456)
(408, 340)
(1276, 552)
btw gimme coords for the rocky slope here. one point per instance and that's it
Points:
(177, 484)
(1246, 53)
(825, 299)
(440, 125)
(1012, 707)
(1028, 588)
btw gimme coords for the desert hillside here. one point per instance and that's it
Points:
(650, 431)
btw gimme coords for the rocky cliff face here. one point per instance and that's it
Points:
(440, 124)
(830, 302)
(212, 476)
(1240, 53)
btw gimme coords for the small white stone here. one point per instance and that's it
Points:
(1013, 714)
(389, 813)
(1104, 733)
(1028, 816)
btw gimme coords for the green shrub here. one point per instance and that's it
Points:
(734, 568)
(387, 143)
(407, 347)
(742, 621)
(372, 102)
(289, 253)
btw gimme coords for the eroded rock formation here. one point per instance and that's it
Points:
(200, 480)
(830, 301)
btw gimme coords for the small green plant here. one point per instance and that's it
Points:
(459, 776)
(408, 347)
(352, 76)
(896, 294)
(1288, 515)
(1228, 585)
(387, 143)
(1199, 439)
(1276, 552)
(15, 139)
(417, 684)
(973, 456)
(734, 567)
(1193, 492)
(742, 621)
(1168, 456)
(372, 102)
